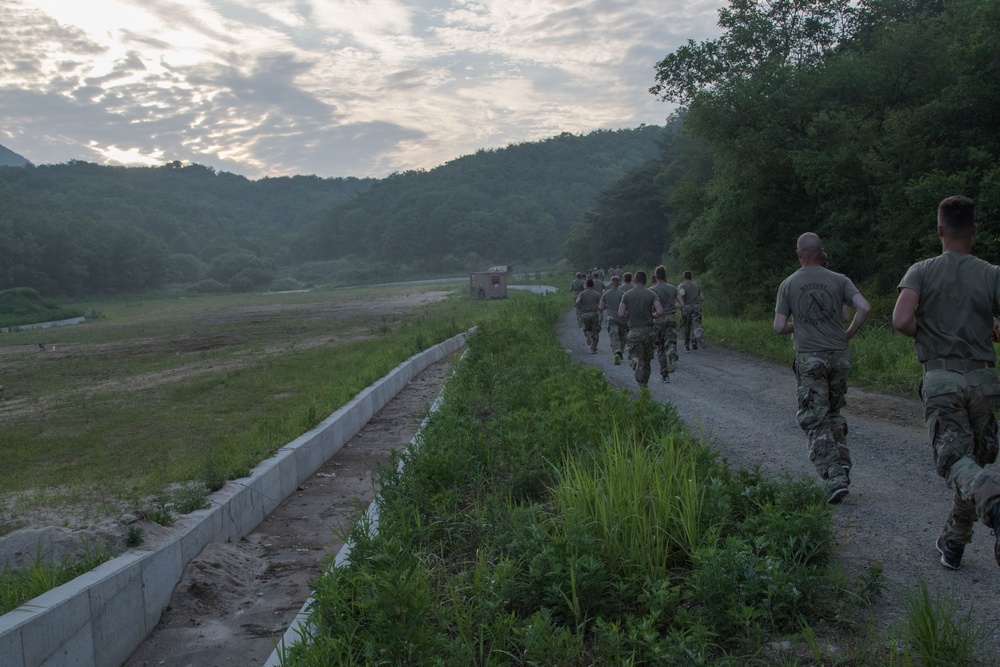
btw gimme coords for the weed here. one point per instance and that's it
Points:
(941, 634)
(134, 536)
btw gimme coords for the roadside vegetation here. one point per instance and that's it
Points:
(547, 519)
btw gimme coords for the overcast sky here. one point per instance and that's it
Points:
(326, 87)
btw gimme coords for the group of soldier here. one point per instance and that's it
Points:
(641, 321)
(948, 304)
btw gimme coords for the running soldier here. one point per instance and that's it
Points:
(617, 327)
(588, 303)
(813, 296)
(665, 325)
(640, 305)
(947, 304)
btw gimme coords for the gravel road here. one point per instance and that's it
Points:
(745, 409)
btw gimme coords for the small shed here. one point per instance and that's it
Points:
(488, 285)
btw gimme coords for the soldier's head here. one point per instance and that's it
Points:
(661, 273)
(627, 276)
(639, 278)
(957, 217)
(579, 275)
(809, 248)
(590, 282)
(615, 281)
(687, 275)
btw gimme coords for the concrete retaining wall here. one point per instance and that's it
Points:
(100, 618)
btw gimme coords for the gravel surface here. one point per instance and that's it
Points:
(744, 407)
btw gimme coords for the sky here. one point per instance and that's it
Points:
(332, 88)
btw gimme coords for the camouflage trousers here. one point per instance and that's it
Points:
(821, 391)
(640, 343)
(691, 324)
(959, 411)
(665, 344)
(591, 323)
(617, 332)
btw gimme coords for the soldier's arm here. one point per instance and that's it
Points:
(904, 314)
(862, 309)
(621, 309)
(782, 325)
(657, 306)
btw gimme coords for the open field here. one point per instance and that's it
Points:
(111, 416)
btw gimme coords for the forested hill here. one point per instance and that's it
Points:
(501, 206)
(79, 228)
(9, 158)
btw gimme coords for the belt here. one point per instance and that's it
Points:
(957, 365)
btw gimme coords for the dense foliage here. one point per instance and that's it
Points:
(547, 519)
(850, 119)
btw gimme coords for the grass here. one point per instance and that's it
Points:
(547, 519)
(159, 392)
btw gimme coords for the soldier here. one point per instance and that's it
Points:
(691, 296)
(588, 303)
(627, 281)
(578, 285)
(665, 325)
(947, 304)
(813, 296)
(640, 305)
(617, 328)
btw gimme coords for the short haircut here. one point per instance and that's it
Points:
(957, 216)
(640, 277)
(660, 272)
(615, 280)
(590, 282)
(687, 275)
(627, 276)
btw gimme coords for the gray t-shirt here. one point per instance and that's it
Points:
(639, 307)
(589, 299)
(692, 292)
(815, 299)
(959, 294)
(668, 297)
(612, 298)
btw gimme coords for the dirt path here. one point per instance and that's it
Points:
(745, 407)
(236, 600)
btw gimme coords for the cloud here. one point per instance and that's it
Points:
(333, 87)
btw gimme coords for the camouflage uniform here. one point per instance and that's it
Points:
(959, 410)
(960, 389)
(821, 379)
